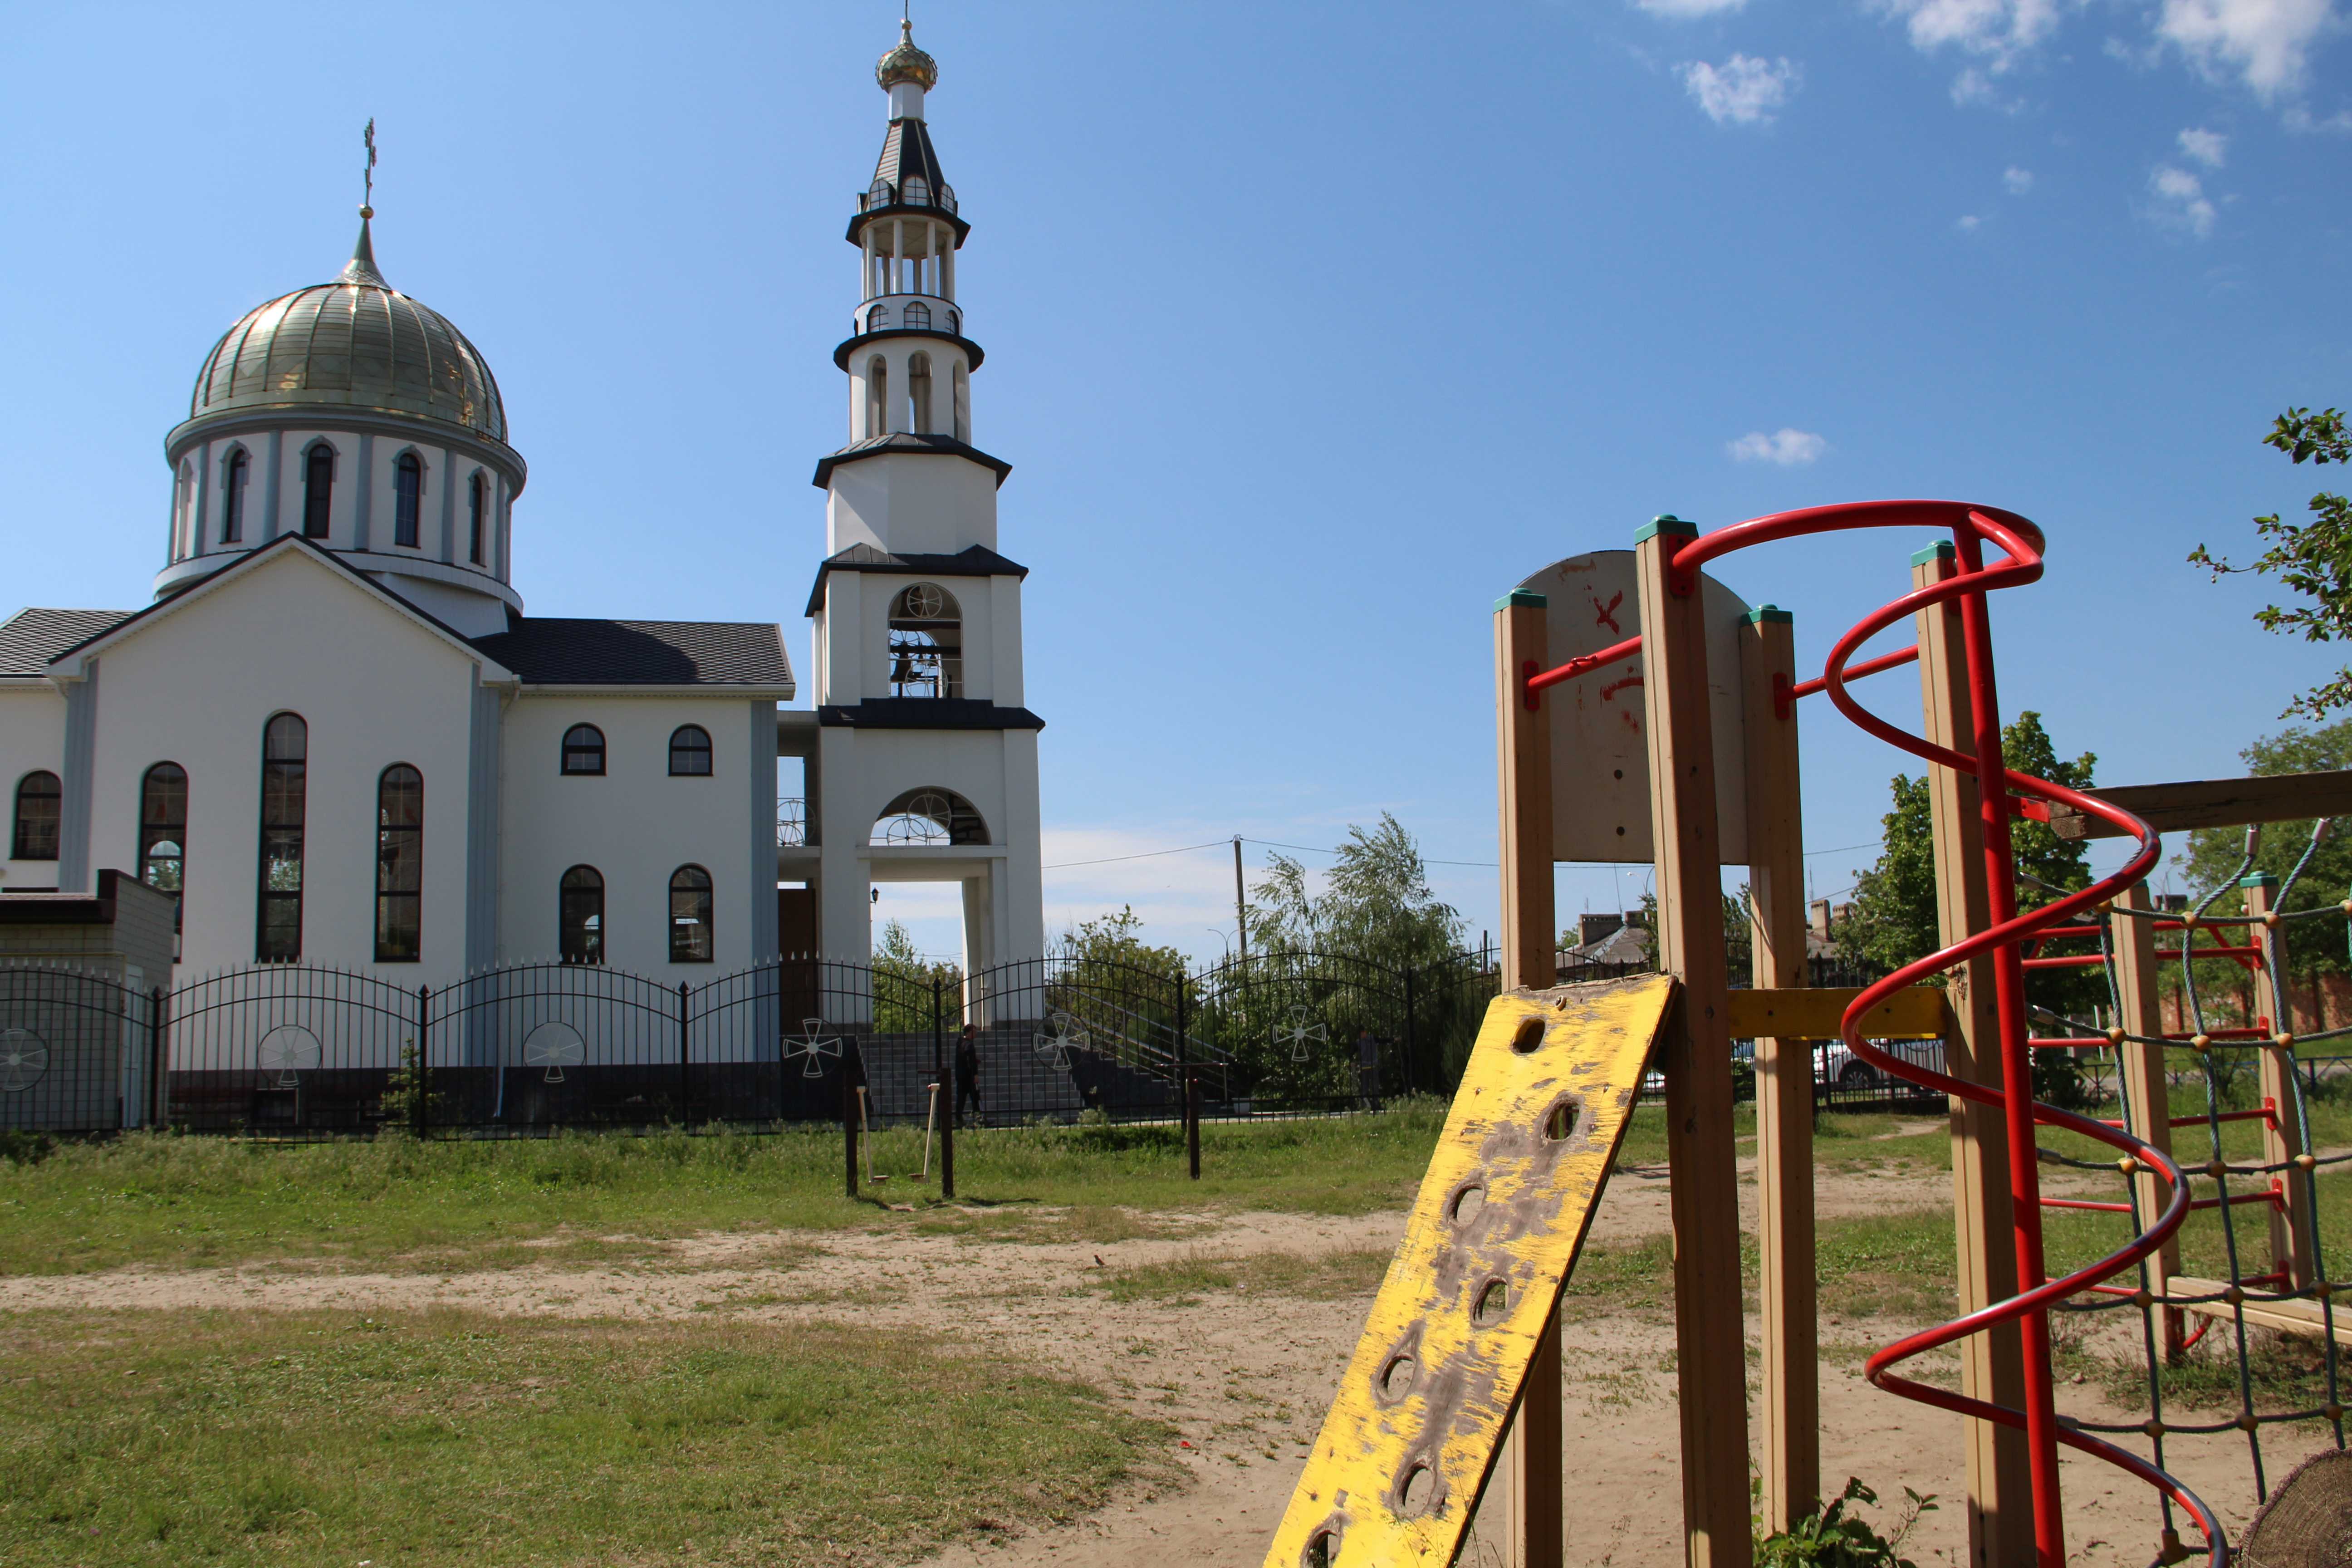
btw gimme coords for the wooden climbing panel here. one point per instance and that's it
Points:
(1419, 1419)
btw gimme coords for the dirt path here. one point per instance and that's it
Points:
(1243, 1379)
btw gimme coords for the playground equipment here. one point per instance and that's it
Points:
(1698, 769)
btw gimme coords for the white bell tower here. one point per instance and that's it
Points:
(922, 765)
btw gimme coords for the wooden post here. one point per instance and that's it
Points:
(2291, 1248)
(1784, 1077)
(1695, 1055)
(2148, 1094)
(1535, 1528)
(1992, 1364)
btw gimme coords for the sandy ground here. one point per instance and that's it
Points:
(1244, 1379)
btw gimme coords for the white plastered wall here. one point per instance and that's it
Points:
(32, 740)
(909, 504)
(635, 825)
(196, 684)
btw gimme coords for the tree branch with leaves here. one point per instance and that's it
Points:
(2312, 559)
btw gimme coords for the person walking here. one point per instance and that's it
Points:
(967, 1072)
(1367, 1069)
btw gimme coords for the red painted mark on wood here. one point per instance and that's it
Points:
(1606, 615)
(1614, 687)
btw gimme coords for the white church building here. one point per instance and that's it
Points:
(336, 736)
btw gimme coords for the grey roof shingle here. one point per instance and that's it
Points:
(30, 638)
(554, 651)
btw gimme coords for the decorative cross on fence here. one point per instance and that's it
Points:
(1055, 1050)
(1298, 1032)
(806, 1043)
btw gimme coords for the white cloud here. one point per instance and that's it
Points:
(1683, 9)
(2016, 182)
(2299, 119)
(1967, 224)
(2206, 147)
(2180, 200)
(1790, 449)
(2265, 42)
(1744, 89)
(2002, 29)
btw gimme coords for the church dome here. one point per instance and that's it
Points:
(907, 63)
(356, 342)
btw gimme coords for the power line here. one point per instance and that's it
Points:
(1318, 850)
(1147, 855)
(1312, 849)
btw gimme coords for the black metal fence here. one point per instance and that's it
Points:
(304, 1051)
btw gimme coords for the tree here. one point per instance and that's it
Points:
(1376, 904)
(903, 980)
(1894, 919)
(2314, 559)
(2215, 854)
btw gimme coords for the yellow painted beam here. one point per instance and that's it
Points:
(1915, 1012)
(1414, 1428)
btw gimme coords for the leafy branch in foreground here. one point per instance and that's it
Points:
(2314, 559)
(1833, 1539)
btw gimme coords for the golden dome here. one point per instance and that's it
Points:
(907, 63)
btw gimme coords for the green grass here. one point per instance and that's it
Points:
(332, 1439)
(436, 1206)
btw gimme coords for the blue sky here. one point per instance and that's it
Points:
(1310, 329)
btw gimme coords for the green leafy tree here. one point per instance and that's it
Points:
(2214, 855)
(903, 981)
(1336, 960)
(2312, 559)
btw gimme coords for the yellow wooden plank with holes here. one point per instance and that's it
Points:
(2300, 1316)
(1414, 1431)
(1914, 1013)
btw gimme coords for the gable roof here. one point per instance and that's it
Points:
(30, 638)
(250, 560)
(973, 560)
(556, 651)
(902, 443)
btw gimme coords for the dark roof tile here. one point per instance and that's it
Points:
(30, 638)
(553, 651)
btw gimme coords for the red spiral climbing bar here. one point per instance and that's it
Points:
(2003, 792)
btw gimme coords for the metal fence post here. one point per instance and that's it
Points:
(1408, 1029)
(849, 1066)
(420, 1114)
(685, 1046)
(947, 1081)
(159, 1022)
(1188, 1081)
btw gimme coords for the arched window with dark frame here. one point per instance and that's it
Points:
(164, 836)
(580, 915)
(407, 499)
(318, 489)
(234, 474)
(399, 864)
(475, 506)
(918, 315)
(918, 390)
(878, 396)
(690, 915)
(284, 787)
(583, 750)
(40, 807)
(689, 753)
(877, 317)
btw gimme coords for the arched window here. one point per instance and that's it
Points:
(877, 317)
(580, 915)
(399, 864)
(474, 503)
(877, 395)
(40, 801)
(919, 391)
(285, 763)
(583, 750)
(184, 509)
(929, 816)
(234, 473)
(318, 489)
(955, 321)
(926, 642)
(407, 498)
(918, 191)
(690, 915)
(916, 316)
(163, 836)
(689, 753)
(963, 384)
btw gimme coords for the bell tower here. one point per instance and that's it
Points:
(924, 765)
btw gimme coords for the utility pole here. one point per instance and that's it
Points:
(1240, 911)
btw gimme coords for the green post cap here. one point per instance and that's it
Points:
(2267, 883)
(1521, 599)
(1772, 614)
(1938, 552)
(1665, 523)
